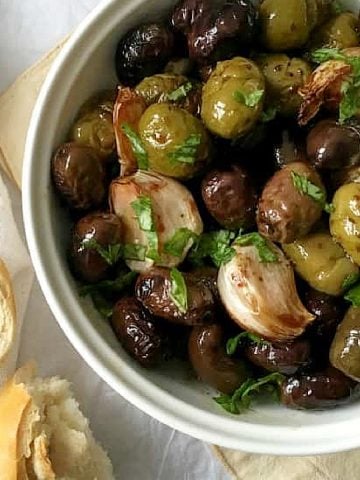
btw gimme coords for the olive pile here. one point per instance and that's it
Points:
(215, 197)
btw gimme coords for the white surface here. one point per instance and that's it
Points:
(141, 448)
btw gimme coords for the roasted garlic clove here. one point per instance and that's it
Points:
(173, 211)
(261, 297)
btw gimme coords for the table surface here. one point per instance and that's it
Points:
(141, 448)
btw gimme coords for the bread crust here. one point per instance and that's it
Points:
(7, 313)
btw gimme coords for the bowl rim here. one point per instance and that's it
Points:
(148, 397)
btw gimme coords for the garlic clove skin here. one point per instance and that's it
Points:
(173, 208)
(262, 297)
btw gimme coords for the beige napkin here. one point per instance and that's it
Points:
(16, 105)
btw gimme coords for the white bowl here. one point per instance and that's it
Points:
(84, 66)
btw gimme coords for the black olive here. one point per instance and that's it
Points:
(142, 52)
(79, 176)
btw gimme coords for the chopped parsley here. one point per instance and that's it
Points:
(142, 207)
(121, 282)
(353, 295)
(111, 253)
(305, 187)
(179, 241)
(262, 245)
(178, 293)
(180, 93)
(213, 245)
(187, 152)
(137, 146)
(234, 342)
(350, 280)
(250, 99)
(269, 114)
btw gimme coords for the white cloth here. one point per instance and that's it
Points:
(140, 447)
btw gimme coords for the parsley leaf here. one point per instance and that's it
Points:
(249, 99)
(350, 280)
(142, 207)
(103, 306)
(215, 245)
(325, 54)
(241, 399)
(337, 7)
(180, 93)
(269, 114)
(353, 295)
(262, 245)
(133, 251)
(111, 253)
(123, 281)
(305, 187)
(179, 241)
(137, 146)
(234, 342)
(178, 292)
(187, 152)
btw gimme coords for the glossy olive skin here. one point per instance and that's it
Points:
(283, 77)
(345, 219)
(328, 310)
(221, 112)
(284, 214)
(324, 389)
(106, 229)
(153, 289)
(345, 348)
(346, 175)
(285, 358)
(330, 145)
(163, 129)
(215, 30)
(79, 176)
(137, 332)
(340, 32)
(142, 52)
(156, 89)
(210, 362)
(321, 262)
(208, 277)
(94, 124)
(230, 197)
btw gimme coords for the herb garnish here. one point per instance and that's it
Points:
(187, 152)
(262, 245)
(179, 241)
(137, 146)
(111, 253)
(103, 306)
(121, 282)
(234, 342)
(353, 295)
(350, 280)
(215, 245)
(143, 209)
(250, 99)
(241, 399)
(178, 292)
(269, 114)
(134, 251)
(306, 187)
(180, 93)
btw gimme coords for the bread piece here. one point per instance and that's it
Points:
(43, 434)
(7, 313)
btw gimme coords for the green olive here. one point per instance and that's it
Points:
(345, 219)
(176, 142)
(283, 77)
(94, 124)
(341, 31)
(232, 100)
(345, 348)
(321, 262)
(156, 88)
(284, 24)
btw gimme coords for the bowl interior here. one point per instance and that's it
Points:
(169, 393)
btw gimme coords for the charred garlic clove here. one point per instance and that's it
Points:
(261, 295)
(160, 219)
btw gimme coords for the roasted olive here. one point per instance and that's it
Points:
(210, 362)
(331, 145)
(328, 311)
(283, 78)
(103, 228)
(324, 389)
(179, 66)
(137, 331)
(340, 32)
(346, 175)
(153, 289)
(158, 89)
(285, 358)
(321, 262)
(215, 30)
(345, 348)
(94, 124)
(345, 219)
(79, 175)
(228, 109)
(208, 277)
(230, 197)
(176, 142)
(285, 213)
(142, 52)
